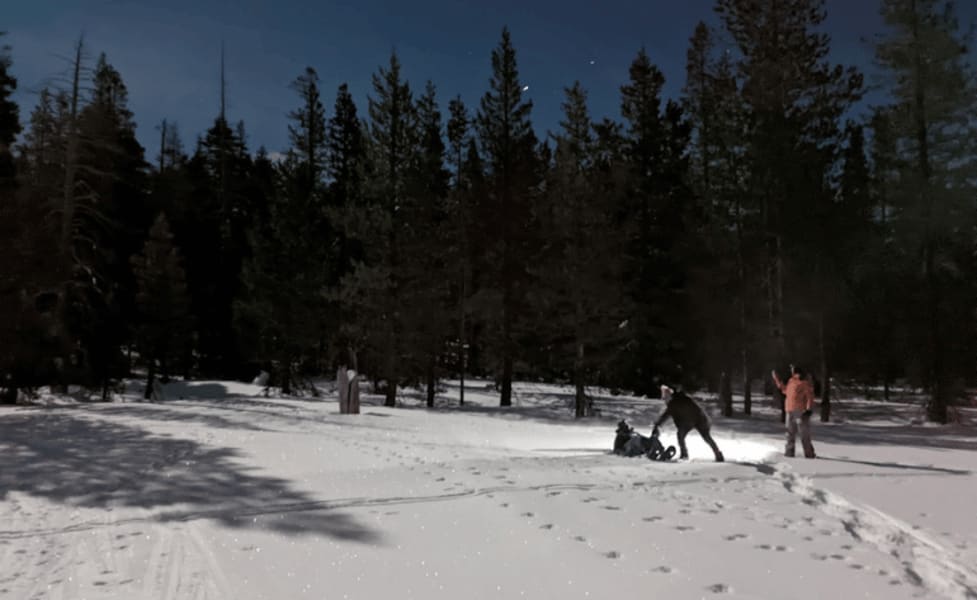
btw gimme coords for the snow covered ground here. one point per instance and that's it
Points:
(219, 492)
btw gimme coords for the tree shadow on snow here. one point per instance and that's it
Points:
(62, 456)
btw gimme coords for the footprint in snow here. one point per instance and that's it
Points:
(546, 526)
(735, 536)
(663, 569)
(612, 554)
(580, 538)
(527, 514)
(652, 519)
(720, 588)
(557, 493)
(684, 528)
(611, 507)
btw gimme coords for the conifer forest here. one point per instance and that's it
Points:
(767, 214)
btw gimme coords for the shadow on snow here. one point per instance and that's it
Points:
(85, 461)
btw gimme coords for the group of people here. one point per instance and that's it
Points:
(798, 393)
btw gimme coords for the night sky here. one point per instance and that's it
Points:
(168, 52)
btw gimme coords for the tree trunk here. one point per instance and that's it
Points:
(744, 326)
(354, 395)
(342, 386)
(390, 371)
(431, 382)
(747, 394)
(461, 342)
(825, 374)
(461, 379)
(936, 408)
(726, 394)
(286, 375)
(582, 407)
(150, 380)
(506, 397)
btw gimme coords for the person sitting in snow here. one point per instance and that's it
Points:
(798, 406)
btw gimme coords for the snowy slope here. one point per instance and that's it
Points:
(219, 492)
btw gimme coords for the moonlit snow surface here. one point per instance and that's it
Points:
(221, 492)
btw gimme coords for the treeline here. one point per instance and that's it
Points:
(748, 223)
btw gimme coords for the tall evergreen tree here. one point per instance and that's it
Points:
(113, 173)
(933, 88)
(372, 294)
(163, 322)
(509, 144)
(459, 135)
(347, 171)
(13, 275)
(656, 215)
(713, 104)
(9, 111)
(426, 286)
(794, 98)
(285, 275)
(579, 295)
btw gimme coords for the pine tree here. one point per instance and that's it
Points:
(376, 287)
(713, 103)
(285, 276)
(794, 100)
(12, 276)
(475, 194)
(9, 112)
(656, 217)
(879, 311)
(459, 135)
(426, 292)
(112, 227)
(509, 144)
(934, 95)
(307, 131)
(162, 299)
(213, 230)
(347, 170)
(579, 295)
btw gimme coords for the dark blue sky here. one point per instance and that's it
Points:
(168, 52)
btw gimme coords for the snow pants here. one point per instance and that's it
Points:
(794, 422)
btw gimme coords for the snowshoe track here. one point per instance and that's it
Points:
(926, 562)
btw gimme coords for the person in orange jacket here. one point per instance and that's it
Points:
(799, 405)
